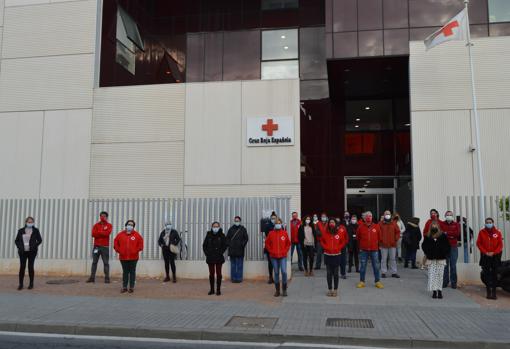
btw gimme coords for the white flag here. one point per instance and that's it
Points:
(455, 29)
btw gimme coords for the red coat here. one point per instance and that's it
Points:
(128, 246)
(368, 236)
(490, 241)
(322, 228)
(333, 244)
(278, 243)
(390, 234)
(294, 228)
(452, 231)
(101, 234)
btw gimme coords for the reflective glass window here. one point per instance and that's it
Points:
(369, 14)
(371, 43)
(345, 15)
(396, 14)
(279, 44)
(279, 4)
(499, 11)
(280, 70)
(396, 41)
(345, 44)
(312, 53)
(241, 55)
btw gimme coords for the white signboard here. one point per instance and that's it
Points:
(270, 131)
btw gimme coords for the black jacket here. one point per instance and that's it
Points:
(266, 226)
(35, 240)
(301, 234)
(412, 236)
(214, 247)
(351, 231)
(237, 239)
(436, 249)
(174, 239)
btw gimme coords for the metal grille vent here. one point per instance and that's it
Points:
(62, 282)
(349, 323)
(252, 322)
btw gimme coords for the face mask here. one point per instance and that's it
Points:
(30, 225)
(308, 221)
(168, 227)
(354, 221)
(294, 217)
(103, 219)
(346, 216)
(324, 219)
(278, 226)
(129, 228)
(449, 218)
(332, 225)
(237, 223)
(273, 220)
(433, 216)
(368, 219)
(387, 217)
(433, 230)
(215, 230)
(489, 225)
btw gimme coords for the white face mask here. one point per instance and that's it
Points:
(324, 219)
(387, 217)
(278, 226)
(129, 228)
(308, 221)
(237, 223)
(168, 227)
(354, 221)
(215, 230)
(449, 218)
(30, 225)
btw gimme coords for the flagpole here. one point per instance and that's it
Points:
(477, 123)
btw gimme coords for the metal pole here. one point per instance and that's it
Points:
(476, 119)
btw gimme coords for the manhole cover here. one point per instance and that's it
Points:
(62, 282)
(349, 323)
(252, 322)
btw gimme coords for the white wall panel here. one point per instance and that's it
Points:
(20, 154)
(9, 3)
(53, 29)
(213, 133)
(47, 83)
(152, 113)
(66, 154)
(266, 99)
(1, 13)
(137, 170)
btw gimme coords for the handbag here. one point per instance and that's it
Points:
(174, 249)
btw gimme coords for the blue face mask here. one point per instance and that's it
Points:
(489, 225)
(215, 230)
(278, 226)
(237, 223)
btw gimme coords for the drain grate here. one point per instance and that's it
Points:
(251, 322)
(349, 323)
(62, 282)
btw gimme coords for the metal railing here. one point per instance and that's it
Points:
(66, 224)
(467, 207)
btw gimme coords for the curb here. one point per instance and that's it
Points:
(245, 336)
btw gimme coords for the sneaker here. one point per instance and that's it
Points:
(335, 293)
(90, 280)
(414, 267)
(454, 287)
(211, 292)
(107, 281)
(396, 276)
(379, 284)
(31, 286)
(131, 290)
(301, 269)
(383, 276)
(20, 287)
(344, 277)
(360, 284)
(124, 290)
(330, 293)
(166, 279)
(311, 273)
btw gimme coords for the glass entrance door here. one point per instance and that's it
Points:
(369, 194)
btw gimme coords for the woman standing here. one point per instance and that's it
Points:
(169, 240)
(411, 242)
(333, 242)
(278, 245)
(436, 248)
(490, 244)
(214, 246)
(27, 241)
(307, 237)
(128, 244)
(353, 244)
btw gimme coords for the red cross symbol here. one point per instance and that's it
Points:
(448, 29)
(270, 127)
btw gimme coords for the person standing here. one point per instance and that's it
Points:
(278, 245)
(214, 246)
(411, 241)
(490, 244)
(452, 230)
(400, 224)
(343, 256)
(434, 217)
(322, 228)
(128, 244)
(27, 241)
(169, 241)
(307, 236)
(333, 243)
(237, 239)
(267, 225)
(390, 235)
(368, 235)
(436, 248)
(101, 232)
(295, 223)
(353, 245)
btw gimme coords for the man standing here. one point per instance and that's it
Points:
(353, 244)
(101, 234)
(322, 228)
(295, 223)
(237, 239)
(390, 234)
(368, 235)
(343, 256)
(266, 226)
(452, 231)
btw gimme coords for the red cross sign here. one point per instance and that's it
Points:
(270, 127)
(447, 30)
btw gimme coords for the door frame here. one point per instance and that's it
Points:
(371, 191)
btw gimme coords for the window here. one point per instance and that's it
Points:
(268, 5)
(280, 54)
(499, 11)
(128, 39)
(130, 28)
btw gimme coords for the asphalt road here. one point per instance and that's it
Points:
(17, 340)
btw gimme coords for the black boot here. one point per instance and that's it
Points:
(349, 270)
(493, 293)
(211, 283)
(434, 294)
(489, 293)
(31, 285)
(440, 294)
(284, 288)
(20, 287)
(270, 280)
(277, 288)
(218, 287)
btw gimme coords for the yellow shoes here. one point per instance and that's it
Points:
(379, 284)
(360, 284)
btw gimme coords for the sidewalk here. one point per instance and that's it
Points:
(403, 314)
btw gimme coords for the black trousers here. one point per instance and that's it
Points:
(354, 255)
(332, 275)
(104, 253)
(492, 275)
(128, 273)
(169, 258)
(269, 265)
(23, 258)
(308, 257)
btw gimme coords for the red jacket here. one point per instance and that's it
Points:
(490, 241)
(128, 246)
(322, 228)
(452, 231)
(278, 243)
(390, 234)
(368, 236)
(294, 228)
(101, 234)
(333, 244)
(427, 226)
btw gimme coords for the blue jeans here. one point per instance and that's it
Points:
(376, 266)
(236, 268)
(410, 257)
(450, 271)
(280, 264)
(343, 261)
(299, 254)
(319, 252)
